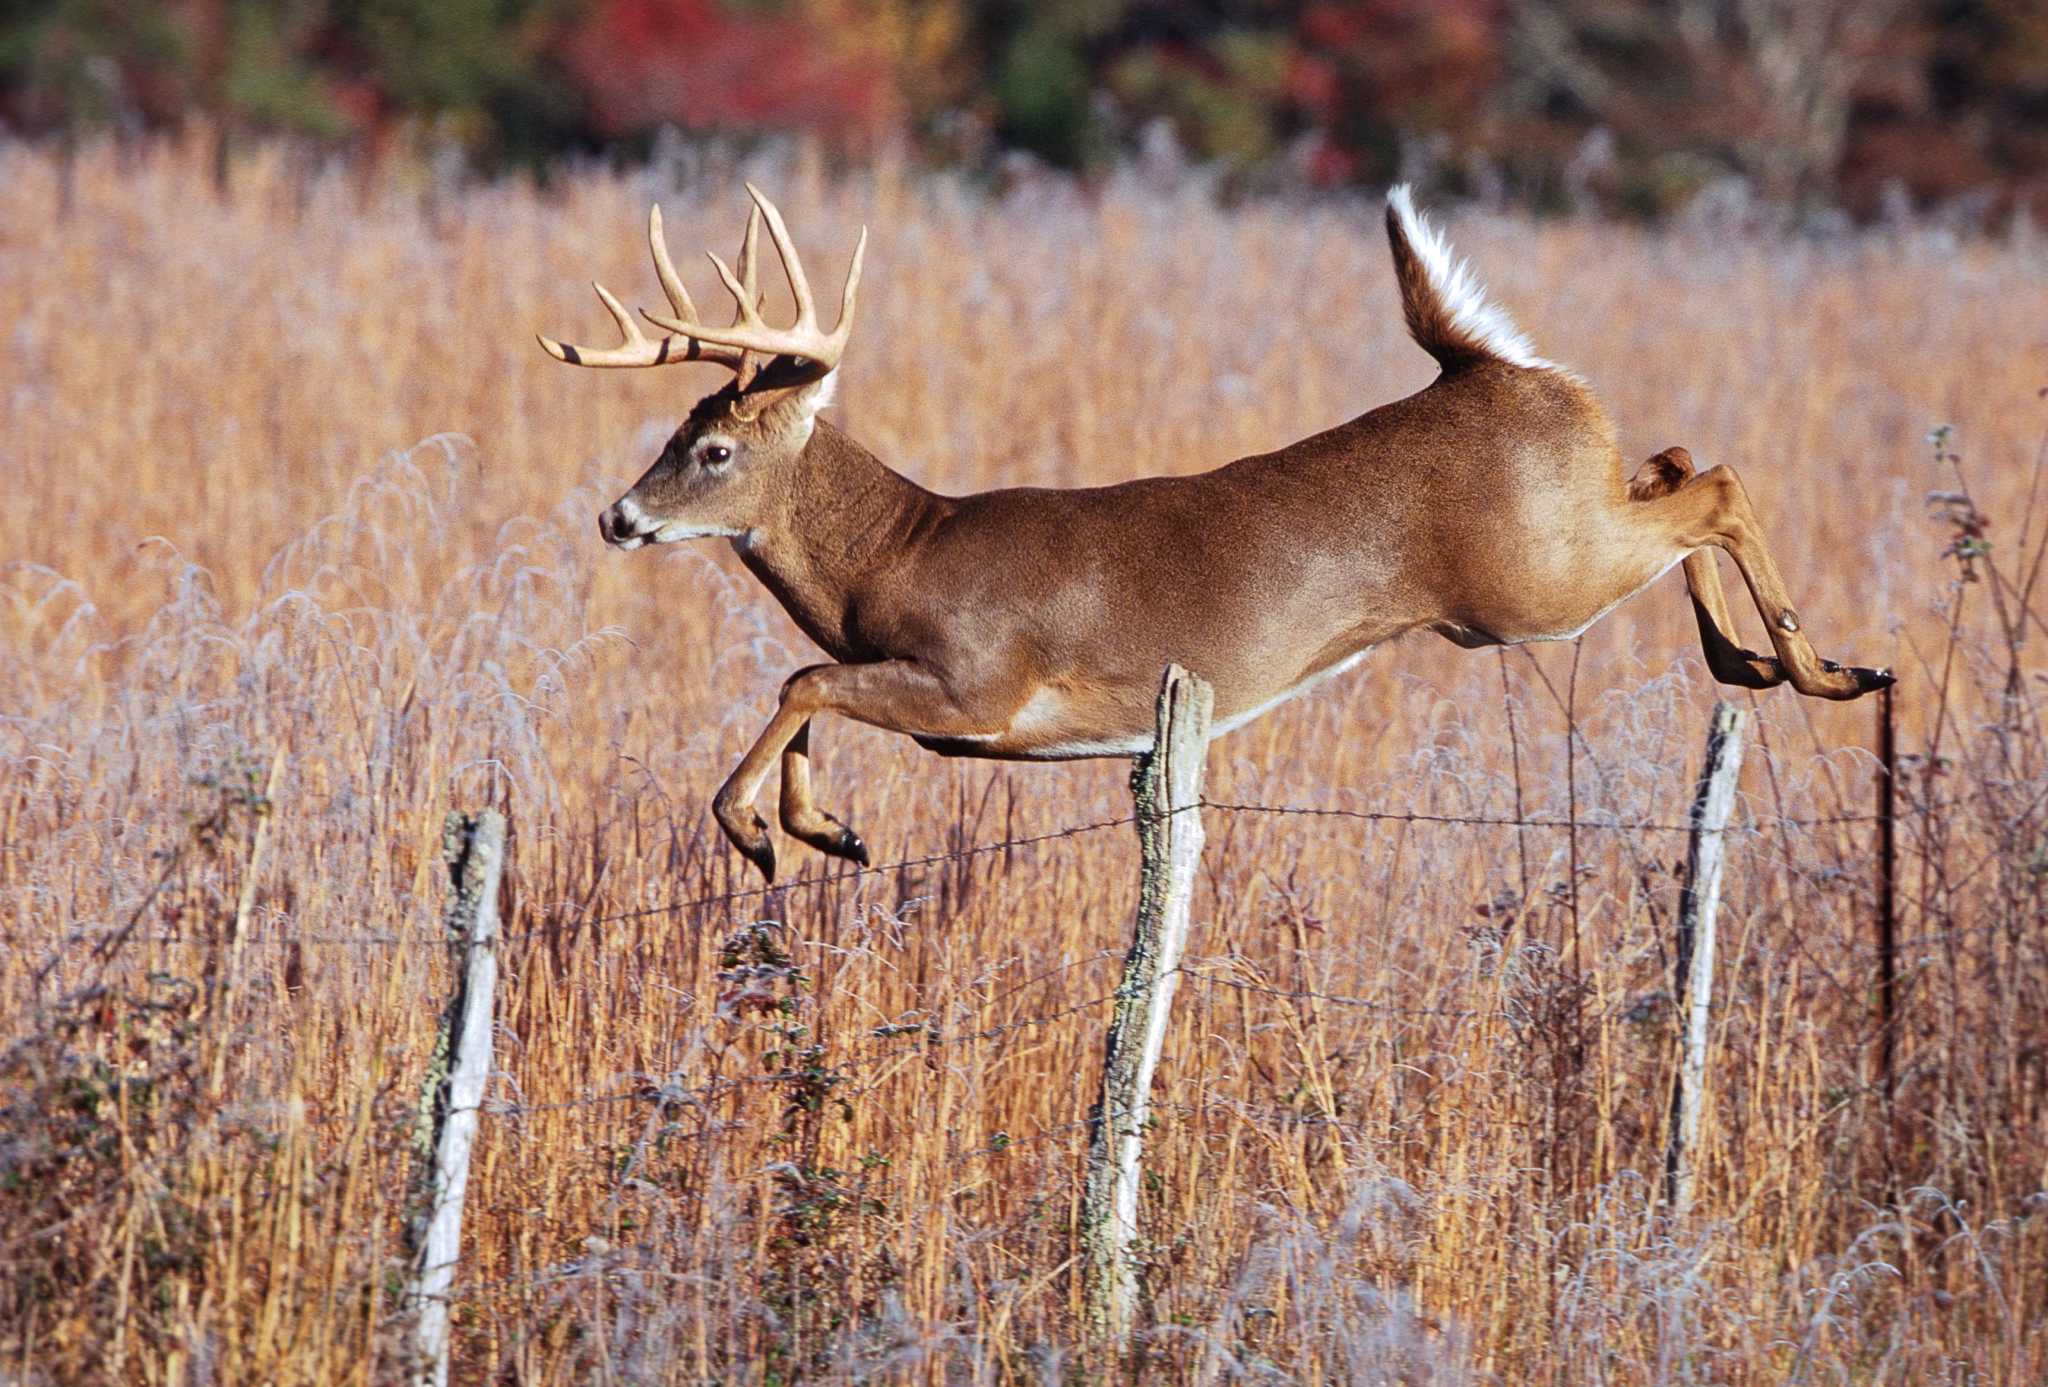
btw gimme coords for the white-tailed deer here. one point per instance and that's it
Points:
(1032, 624)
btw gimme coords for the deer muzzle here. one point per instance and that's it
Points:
(624, 525)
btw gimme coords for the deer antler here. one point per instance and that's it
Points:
(638, 349)
(750, 335)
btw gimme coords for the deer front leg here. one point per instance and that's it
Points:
(802, 819)
(1713, 509)
(897, 695)
(1727, 659)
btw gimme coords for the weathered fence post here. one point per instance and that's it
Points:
(1166, 782)
(1696, 911)
(462, 1062)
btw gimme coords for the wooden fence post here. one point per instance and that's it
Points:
(476, 856)
(1166, 783)
(1697, 908)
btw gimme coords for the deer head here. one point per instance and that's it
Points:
(736, 453)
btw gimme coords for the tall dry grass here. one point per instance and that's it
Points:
(256, 639)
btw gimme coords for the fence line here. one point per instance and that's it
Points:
(1485, 821)
(1221, 806)
(931, 1038)
(557, 928)
(1166, 784)
(928, 1036)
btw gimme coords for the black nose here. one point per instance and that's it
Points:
(604, 524)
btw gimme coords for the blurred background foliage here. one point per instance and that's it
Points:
(1636, 106)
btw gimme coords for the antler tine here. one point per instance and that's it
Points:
(744, 287)
(792, 265)
(750, 269)
(635, 348)
(850, 292)
(750, 335)
(665, 268)
(745, 317)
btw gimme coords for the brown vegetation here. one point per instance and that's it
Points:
(255, 640)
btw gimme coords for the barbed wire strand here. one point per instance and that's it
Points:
(1221, 806)
(556, 928)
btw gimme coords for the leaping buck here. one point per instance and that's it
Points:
(1032, 624)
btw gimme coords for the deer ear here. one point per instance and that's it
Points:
(798, 404)
(805, 400)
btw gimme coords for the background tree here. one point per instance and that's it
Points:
(1762, 88)
(83, 64)
(703, 66)
(1633, 105)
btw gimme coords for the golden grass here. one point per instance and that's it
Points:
(238, 592)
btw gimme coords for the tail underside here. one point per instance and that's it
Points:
(1448, 313)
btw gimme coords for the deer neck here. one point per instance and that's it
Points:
(846, 518)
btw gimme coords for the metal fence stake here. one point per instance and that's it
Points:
(1887, 897)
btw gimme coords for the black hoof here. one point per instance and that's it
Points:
(755, 847)
(849, 846)
(762, 855)
(1866, 680)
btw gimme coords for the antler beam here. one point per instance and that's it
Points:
(749, 344)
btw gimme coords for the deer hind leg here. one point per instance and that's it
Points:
(801, 817)
(894, 694)
(1727, 659)
(1713, 509)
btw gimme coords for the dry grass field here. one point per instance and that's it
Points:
(298, 552)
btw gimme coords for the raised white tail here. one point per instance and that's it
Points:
(1448, 312)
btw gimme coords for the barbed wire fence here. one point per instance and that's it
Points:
(1140, 1000)
(569, 923)
(456, 1087)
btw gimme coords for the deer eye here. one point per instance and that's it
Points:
(717, 455)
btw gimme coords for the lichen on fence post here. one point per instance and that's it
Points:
(462, 1064)
(1166, 783)
(1698, 907)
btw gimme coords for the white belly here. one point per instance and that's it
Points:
(1049, 726)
